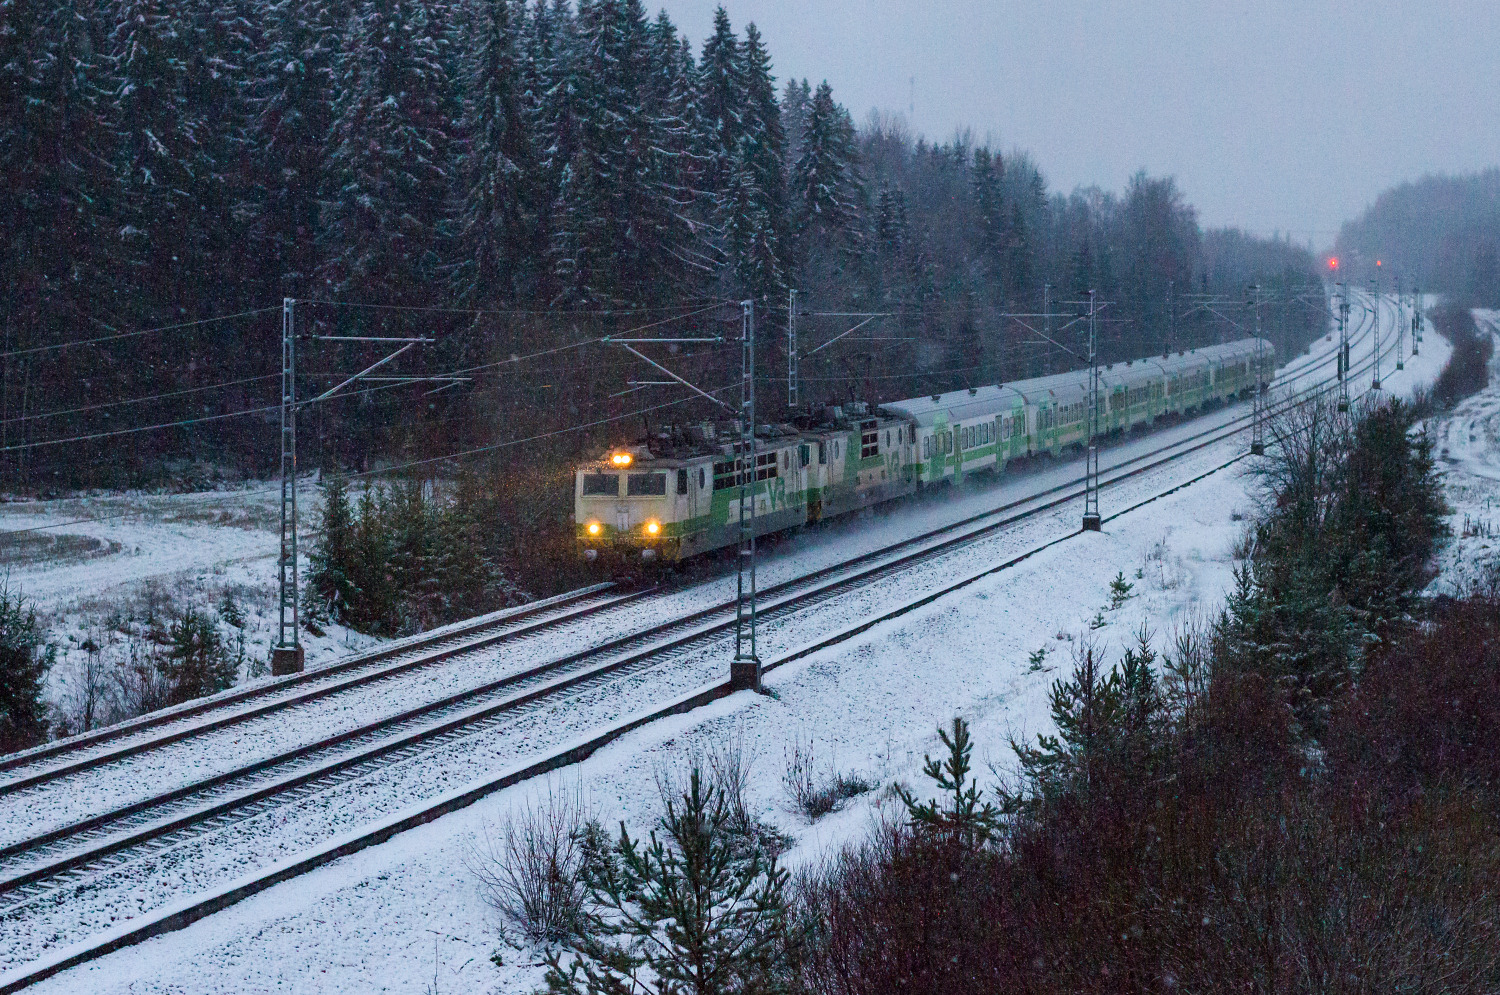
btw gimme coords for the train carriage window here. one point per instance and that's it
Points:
(822, 454)
(765, 466)
(869, 440)
(804, 454)
(601, 484)
(681, 481)
(645, 484)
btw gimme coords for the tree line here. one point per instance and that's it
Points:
(1441, 233)
(537, 171)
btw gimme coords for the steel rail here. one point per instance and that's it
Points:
(447, 641)
(183, 914)
(33, 882)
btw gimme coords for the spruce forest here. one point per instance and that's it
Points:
(507, 179)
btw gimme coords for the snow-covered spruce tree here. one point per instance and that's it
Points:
(750, 204)
(681, 147)
(986, 182)
(749, 235)
(164, 165)
(763, 146)
(686, 912)
(494, 221)
(549, 107)
(293, 93)
(55, 154)
(227, 39)
(331, 588)
(721, 101)
(25, 658)
(196, 663)
(796, 99)
(618, 232)
(825, 185)
(386, 221)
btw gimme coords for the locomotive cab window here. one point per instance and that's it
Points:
(701, 480)
(646, 485)
(822, 454)
(682, 481)
(869, 441)
(598, 484)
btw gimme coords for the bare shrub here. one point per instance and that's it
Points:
(530, 870)
(729, 766)
(891, 914)
(141, 684)
(725, 764)
(815, 793)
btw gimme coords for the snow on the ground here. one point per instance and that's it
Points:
(407, 916)
(102, 568)
(100, 565)
(390, 918)
(1467, 450)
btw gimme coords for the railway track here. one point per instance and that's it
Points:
(89, 751)
(57, 858)
(40, 866)
(40, 764)
(451, 643)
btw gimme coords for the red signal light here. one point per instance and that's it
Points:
(1333, 262)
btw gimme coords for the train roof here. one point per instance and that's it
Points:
(1065, 388)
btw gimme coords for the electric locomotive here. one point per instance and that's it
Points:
(677, 493)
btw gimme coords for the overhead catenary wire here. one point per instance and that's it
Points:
(134, 334)
(426, 461)
(435, 309)
(447, 457)
(138, 400)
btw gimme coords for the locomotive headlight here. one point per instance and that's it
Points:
(621, 459)
(594, 528)
(653, 527)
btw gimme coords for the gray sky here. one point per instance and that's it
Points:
(1277, 114)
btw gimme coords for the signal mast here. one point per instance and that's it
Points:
(1343, 356)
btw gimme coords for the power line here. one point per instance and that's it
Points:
(595, 312)
(142, 428)
(537, 438)
(134, 334)
(137, 400)
(412, 463)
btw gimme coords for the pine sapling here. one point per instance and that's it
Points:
(966, 822)
(685, 910)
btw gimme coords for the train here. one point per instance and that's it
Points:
(676, 494)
